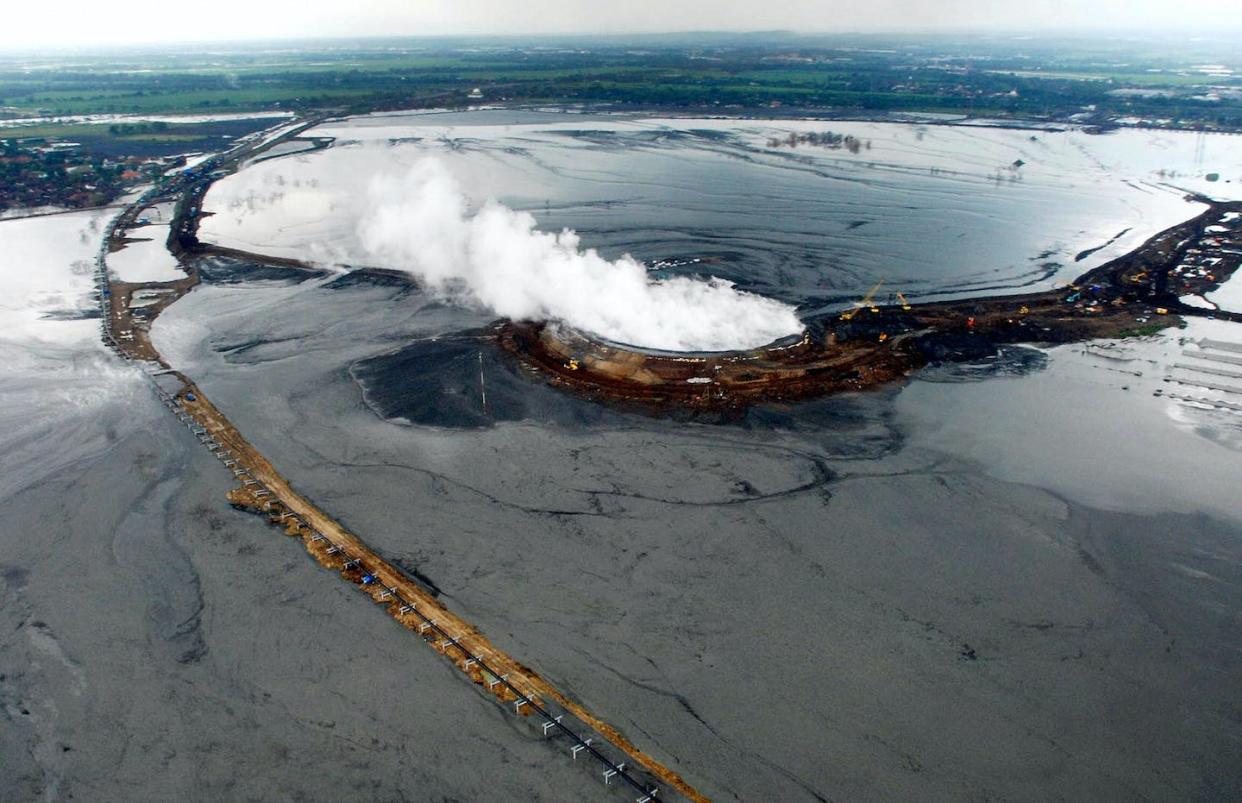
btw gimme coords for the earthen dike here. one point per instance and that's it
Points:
(1136, 293)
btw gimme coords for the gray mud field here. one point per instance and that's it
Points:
(819, 602)
(155, 644)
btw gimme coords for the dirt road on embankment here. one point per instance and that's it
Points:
(1137, 293)
(263, 490)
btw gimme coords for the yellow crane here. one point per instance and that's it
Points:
(866, 302)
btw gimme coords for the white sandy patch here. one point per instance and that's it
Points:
(1197, 301)
(159, 213)
(1091, 428)
(145, 260)
(1229, 295)
(47, 267)
(30, 211)
(55, 374)
(172, 119)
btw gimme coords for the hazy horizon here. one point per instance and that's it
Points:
(77, 24)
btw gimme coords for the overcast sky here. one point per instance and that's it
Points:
(93, 22)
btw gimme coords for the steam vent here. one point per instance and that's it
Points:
(792, 368)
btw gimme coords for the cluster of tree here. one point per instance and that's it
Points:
(137, 129)
(824, 139)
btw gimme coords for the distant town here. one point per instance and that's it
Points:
(38, 173)
(73, 136)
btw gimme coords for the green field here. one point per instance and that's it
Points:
(1053, 81)
(204, 101)
(87, 131)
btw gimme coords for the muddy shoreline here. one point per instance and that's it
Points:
(841, 352)
(1134, 294)
(871, 346)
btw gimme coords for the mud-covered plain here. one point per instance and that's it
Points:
(159, 645)
(1016, 579)
(936, 211)
(870, 597)
(156, 644)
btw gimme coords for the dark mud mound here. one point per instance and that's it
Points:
(856, 426)
(1003, 361)
(373, 277)
(942, 347)
(89, 313)
(436, 382)
(219, 269)
(463, 381)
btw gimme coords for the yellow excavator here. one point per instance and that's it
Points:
(848, 315)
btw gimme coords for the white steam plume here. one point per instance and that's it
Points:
(422, 223)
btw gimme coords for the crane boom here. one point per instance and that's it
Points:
(866, 301)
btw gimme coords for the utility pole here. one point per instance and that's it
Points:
(482, 389)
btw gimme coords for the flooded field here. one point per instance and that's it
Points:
(1032, 554)
(934, 210)
(56, 378)
(1015, 578)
